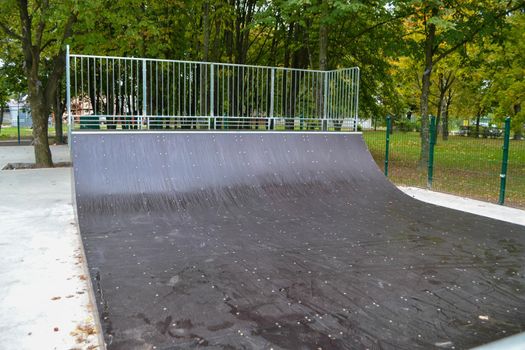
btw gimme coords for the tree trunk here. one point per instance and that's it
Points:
(425, 91)
(323, 55)
(40, 115)
(425, 138)
(518, 125)
(438, 114)
(478, 117)
(40, 108)
(1, 116)
(448, 101)
(441, 97)
(323, 39)
(206, 30)
(59, 111)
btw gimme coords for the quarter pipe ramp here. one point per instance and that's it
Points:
(232, 240)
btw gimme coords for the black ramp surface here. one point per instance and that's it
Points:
(283, 241)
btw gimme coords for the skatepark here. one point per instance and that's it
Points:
(271, 239)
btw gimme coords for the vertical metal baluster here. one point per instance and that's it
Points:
(151, 111)
(68, 96)
(113, 97)
(125, 103)
(82, 85)
(184, 87)
(212, 93)
(348, 94)
(107, 88)
(195, 91)
(119, 99)
(351, 104)
(71, 126)
(357, 100)
(94, 102)
(237, 94)
(167, 112)
(101, 88)
(132, 92)
(161, 119)
(144, 93)
(179, 92)
(175, 92)
(157, 114)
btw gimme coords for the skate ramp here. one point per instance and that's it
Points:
(232, 240)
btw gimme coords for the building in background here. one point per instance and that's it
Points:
(19, 111)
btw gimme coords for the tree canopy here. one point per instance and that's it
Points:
(416, 57)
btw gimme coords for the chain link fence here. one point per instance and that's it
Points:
(463, 165)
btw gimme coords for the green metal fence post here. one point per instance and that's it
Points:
(432, 139)
(503, 175)
(388, 128)
(18, 119)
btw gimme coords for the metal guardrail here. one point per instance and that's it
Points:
(138, 93)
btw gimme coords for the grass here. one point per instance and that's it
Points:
(11, 133)
(462, 165)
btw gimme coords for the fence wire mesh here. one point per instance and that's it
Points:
(466, 166)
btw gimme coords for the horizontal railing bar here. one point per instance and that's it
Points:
(213, 132)
(208, 63)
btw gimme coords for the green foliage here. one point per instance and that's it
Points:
(405, 125)
(478, 40)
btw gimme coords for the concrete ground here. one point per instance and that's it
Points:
(25, 154)
(490, 210)
(44, 293)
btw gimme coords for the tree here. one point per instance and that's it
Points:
(440, 27)
(445, 80)
(41, 28)
(506, 64)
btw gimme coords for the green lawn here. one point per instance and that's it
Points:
(462, 165)
(11, 133)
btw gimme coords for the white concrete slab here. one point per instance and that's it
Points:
(468, 205)
(25, 154)
(44, 296)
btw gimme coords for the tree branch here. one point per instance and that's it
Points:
(26, 23)
(59, 60)
(47, 43)
(475, 32)
(10, 32)
(379, 24)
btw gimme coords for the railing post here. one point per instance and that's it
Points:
(432, 140)
(212, 96)
(387, 146)
(272, 95)
(144, 97)
(356, 116)
(68, 98)
(503, 175)
(325, 101)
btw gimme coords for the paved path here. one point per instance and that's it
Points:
(468, 205)
(44, 295)
(25, 154)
